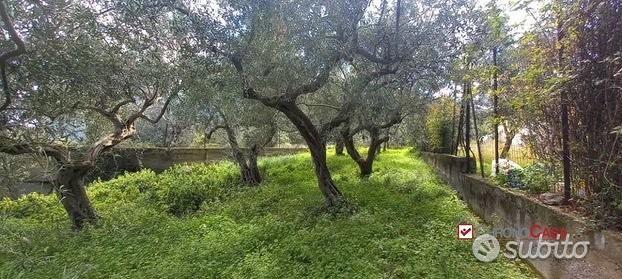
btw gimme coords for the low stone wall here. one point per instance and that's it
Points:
(121, 160)
(159, 159)
(505, 208)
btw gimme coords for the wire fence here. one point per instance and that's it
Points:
(522, 155)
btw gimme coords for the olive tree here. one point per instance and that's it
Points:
(17, 48)
(285, 51)
(214, 103)
(282, 51)
(86, 65)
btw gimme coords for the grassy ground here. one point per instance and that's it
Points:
(194, 222)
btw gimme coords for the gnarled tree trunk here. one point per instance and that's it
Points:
(509, 137)
(339, 146)
(365, 164)
(252, 165)
(247, 161)
(317, 147)
(249, 172)
(70, 189)
(250, 176)
(332, 195)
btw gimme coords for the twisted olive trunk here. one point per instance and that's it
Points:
(339, 147)
(509, 137)
(71, 192)
(250, 170)
(317, 147)
(250, 176)
(70, 179)
(365, 164)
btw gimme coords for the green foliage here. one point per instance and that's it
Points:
(513, 179)
(400, 223)
(31, 205)
(179, 190)
(439, 126)
(539, 178)
(182, 189)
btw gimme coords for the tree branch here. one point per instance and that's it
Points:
(341, 117)
(371, 57)
(269, 135)
(116, 108)
(250, 93)
(319, 80)
(20, 47)
(395, 119)
(112, 116)
(5, 88)
(162, 111)
(55, 152)
(208, 134)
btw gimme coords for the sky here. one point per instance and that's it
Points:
(520, 19)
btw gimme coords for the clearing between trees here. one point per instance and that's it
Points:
(196, 221)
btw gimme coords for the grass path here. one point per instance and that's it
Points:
(402, 225)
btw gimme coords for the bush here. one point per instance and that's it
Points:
(31, 205)
(179, 190)
(127, 187)
(538, 178)
(183, 188)
(439, 126)
(513, 179)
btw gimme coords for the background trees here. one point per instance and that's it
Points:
(213, 103)
(550, 78)
(120, 62)
(284, 52)
(556, 64)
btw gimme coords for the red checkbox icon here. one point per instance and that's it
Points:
(465, 231)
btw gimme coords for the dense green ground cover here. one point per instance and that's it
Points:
(195, 222)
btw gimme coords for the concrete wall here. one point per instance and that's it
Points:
(121, 160)
(504, 208)
(159, 159)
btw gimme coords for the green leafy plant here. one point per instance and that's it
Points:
(401, 223)
(539, 178)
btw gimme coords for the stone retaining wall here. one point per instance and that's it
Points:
(121, 160)
(505, 208)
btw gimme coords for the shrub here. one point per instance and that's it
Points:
(439, 126)
(31, 205)
(179, 190)
(127, 187)
(183, 188)
(538, 178)
(513, 179)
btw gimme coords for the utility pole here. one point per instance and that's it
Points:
(564, 110)
(495, 105)
(479, 147)
(467, 120)
(459, 134)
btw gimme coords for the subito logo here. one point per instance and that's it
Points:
(486, 248)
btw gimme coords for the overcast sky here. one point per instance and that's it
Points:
(519, 19)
